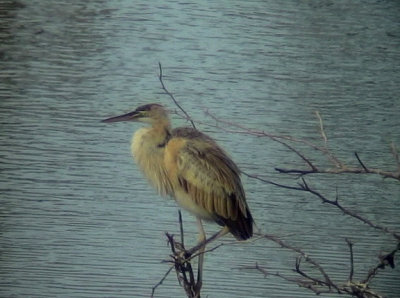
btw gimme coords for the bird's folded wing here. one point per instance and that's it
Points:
(211, 178)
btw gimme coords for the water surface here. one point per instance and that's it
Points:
(77, 218)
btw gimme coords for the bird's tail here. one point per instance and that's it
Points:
(242, 227)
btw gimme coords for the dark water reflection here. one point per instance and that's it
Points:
(78, 220)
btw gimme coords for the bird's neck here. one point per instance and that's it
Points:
(160, 133)
(152, 137)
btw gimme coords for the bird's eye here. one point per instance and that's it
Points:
(144, 108)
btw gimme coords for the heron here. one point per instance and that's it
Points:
(192, 168)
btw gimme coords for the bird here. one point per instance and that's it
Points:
(192, 168)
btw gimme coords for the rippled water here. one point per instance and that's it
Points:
(76, 217)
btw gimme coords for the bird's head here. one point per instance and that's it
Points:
(149, 113)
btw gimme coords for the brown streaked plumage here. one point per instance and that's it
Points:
(205, 173)
(190, 167)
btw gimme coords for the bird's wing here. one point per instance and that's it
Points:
(209, 176)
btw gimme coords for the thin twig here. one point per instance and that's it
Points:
(205, 242)
(161, 281)
(312, 166)
(181, 228)
(303, 254)
(361, 163)
(208, 250)
(160, 77)
(257, 177)
(315, 281)
(395, 155)
(258, 133)
(350, 244)
(321, 127)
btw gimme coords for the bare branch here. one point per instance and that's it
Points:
(339, 166)
(326, 285)
(300, 282)
(181, 258)
(384, 260)
(160, 77)
(257, 133)
(338, 171)
(183, 267)
(347, 211)
(303, 254)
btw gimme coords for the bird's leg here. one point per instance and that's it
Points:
(201, 247)
(202, 243)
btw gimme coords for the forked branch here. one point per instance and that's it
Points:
(339, 167)
(305, 187)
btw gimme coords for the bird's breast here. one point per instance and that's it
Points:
(150, 159)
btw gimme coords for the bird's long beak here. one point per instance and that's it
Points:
(131, 116)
